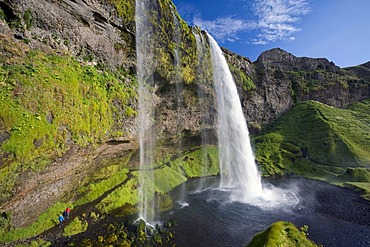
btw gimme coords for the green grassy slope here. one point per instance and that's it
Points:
(318, 141)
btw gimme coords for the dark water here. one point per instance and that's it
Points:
(335, 216)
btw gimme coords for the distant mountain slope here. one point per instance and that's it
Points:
(362, 71)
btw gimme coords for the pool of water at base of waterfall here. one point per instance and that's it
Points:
(205, 216)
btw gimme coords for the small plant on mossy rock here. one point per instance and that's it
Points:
(75, 227)
(36, 243)
(2, 14)
(94, 216)
(304, 230)
(4, 222)
(27, 17)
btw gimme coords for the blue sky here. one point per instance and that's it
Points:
(338, 30)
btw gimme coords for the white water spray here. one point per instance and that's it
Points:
(237, 166)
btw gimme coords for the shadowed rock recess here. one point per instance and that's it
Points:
(69, 113)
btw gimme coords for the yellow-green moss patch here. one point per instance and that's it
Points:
(127, 194)
(282, 234)
(199, 162)
(76, 226)
(95, 190)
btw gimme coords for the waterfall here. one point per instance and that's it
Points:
(179, 96)
(205, 118)
(238, 170)
(145, 68)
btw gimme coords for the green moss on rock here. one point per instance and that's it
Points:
(167, 179)
(198, 162)
(364, 187)
(50, 102)
(282, 234)
(76, 226)
(95, 190)
(125, 195)
(357, 175)
(45, 221)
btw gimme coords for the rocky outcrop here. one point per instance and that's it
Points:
(91, 30)
(285, 61)
(281, 79)
(102, 39)
(361, 71)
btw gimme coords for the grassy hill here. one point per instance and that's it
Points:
(319, 141)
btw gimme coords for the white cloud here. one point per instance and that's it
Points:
(276, 20)
(224, 28)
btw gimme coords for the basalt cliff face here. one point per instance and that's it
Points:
(91, 30)
(281, 80)
(69, 101)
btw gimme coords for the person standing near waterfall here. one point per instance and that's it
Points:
(66, 212)
(61, 219)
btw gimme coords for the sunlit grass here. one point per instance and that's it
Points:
(316, 140)
(76, 226)
(46, 220)
(282, 234)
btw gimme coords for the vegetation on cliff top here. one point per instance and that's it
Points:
(282, 234)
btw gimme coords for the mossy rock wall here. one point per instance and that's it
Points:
(50, 103)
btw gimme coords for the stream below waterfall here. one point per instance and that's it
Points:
(205, 217)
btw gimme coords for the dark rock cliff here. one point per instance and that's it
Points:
(90, 30)
(281, 79)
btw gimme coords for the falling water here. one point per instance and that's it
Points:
(205, 118)
(237, 166)
(178, 79)
(145, 68)
(179, 96)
